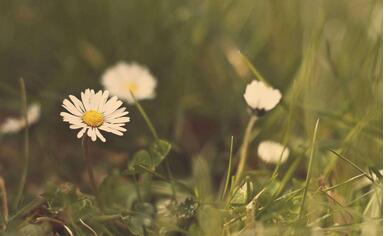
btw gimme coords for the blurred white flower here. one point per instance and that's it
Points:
(261, 97)
(272, 152)
(13, 125)
(123, 78)
(95, 112)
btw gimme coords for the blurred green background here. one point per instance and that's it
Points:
(324, 56)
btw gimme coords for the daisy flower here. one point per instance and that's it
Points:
(14, 125)
(271, 152)
(261, 97)
(95, 112)
(122, 78)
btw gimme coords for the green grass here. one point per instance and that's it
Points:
(176, 171)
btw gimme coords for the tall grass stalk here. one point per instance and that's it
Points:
(229, 170)
(24, 172)
(309, 170)
(353, 165)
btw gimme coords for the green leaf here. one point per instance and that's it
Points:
(68, 198)
(116, 192)
(150, 159)
(159, 150)
(142, 157)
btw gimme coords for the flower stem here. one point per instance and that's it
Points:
(145, 117)
(155, 136)
(24, 172)
(87, 161)
(4, 202)
(244, 147)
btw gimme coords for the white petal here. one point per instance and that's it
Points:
(73, 121)
(258, 95)
(106, 128)
(95, 100)
(94, 137)
(70, 118)
(103, 100)
(91, 134)
(109, 104)
(124, 119)
(116, 127)
(118, 78)
(111, 108)
(119, 124)
(78, 126)
(89, 130)
(271, 99)
(33, 113)
(81, 132)
(115, 116)
(77, 102)
(12, 125)
(272, 152)
(100, 136)
(117, 113)
(71, 108)
(86, 99)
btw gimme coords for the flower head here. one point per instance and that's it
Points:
(95, 112)
(14, 125)
(260, 97)
(124, 78)
(272, 152)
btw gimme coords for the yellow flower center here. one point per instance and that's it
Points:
(93, 118)
(132, 87)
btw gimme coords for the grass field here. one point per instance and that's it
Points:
(178, 169)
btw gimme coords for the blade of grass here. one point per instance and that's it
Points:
(24, 172)
(353, 165)
(344, 182)
(309, 171)
(229, 170)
